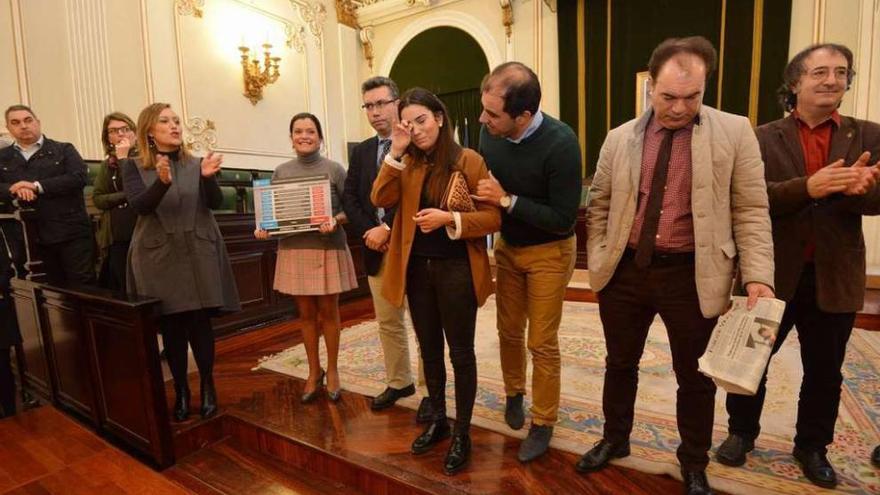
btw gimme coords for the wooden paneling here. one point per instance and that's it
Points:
(37, 370)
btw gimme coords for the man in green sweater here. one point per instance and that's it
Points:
(535, 166)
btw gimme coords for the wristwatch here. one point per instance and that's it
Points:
(504, 201)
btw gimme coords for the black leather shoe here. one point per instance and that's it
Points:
(425, 414)
(514, 414)
(209, 398)
(459, 453)
(695, 483)
(181, 402)
(536, 443)
(390, 395)
(311, 396)
(875, 457)
(732, 452)
(816, 467)
(602, 452)
(436, 431)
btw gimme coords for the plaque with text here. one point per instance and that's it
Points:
(289, 206)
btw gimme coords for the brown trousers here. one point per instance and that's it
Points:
(530, 288)
(627, 306)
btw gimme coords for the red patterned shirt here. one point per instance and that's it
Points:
(675, 232)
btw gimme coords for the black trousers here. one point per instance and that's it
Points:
(113, 269)
(442, 303)
(823, 337)
(71, 262)
(193, 328)
(627, 306)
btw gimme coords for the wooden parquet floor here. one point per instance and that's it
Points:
(44, 452)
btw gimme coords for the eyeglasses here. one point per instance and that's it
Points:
(820, 73)
(377, 105)
(118, 130)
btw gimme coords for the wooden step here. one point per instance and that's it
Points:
(226, 468)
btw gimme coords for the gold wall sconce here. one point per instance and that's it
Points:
(258, 75)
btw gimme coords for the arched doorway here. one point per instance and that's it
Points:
(451, 64)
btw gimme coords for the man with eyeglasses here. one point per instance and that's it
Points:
(819, 185)
(50, 175)
(380, 96)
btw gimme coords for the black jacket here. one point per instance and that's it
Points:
(361, 213)
(61, 208)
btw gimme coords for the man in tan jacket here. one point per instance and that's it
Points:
(678, 197)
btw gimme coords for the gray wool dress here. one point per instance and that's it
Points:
(177, 253)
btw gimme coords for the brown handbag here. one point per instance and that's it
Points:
(457, 197)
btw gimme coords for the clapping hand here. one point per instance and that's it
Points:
(867, 177)
(211, 164)
(163, 169)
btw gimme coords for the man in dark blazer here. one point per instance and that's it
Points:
(380, 96)
(50, 175)
(819, 184)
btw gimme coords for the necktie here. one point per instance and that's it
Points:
(385, 147)
(648, 235)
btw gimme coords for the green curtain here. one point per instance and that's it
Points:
(464, 112)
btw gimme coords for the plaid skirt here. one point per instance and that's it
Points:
(314, 272)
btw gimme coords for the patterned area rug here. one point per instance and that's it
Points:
(770, 467)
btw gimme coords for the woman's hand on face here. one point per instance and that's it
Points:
(211, 164)
(163, 169)
(122, 148)
(261, 234)
(431, 219)
(401, 135)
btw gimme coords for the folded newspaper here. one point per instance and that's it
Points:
(740, 346)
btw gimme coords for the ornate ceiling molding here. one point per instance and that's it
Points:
(346, 13)
(313, 13)
(194, 8)
(366, 36)
(201, 135)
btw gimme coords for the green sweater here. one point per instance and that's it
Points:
(544, 172)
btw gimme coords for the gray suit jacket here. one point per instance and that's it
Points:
(728, 201)
(177, 253)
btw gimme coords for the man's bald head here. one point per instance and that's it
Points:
(517, 85)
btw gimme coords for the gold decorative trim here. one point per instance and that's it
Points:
(313, 14)
(346, 13)
(582, 84)
(755, 77)
(21, 68)
(642, 92)
(194, 8)
(819, 7)
(721, 52)
(608, 70)
(366, 37)
(507, 17)
(201, 135)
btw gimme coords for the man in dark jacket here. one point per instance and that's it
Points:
(819, 185)
(380, 96)
(50, 175)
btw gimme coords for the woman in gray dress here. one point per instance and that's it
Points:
(177, 253)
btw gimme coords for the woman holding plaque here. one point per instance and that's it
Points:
(437, 256)
(177, 253)
(316, 266)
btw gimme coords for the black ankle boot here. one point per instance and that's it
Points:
(459, 453)
(436, 431)
(181, 402)
(209, 397)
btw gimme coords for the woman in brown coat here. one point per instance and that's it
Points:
(437, 258)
